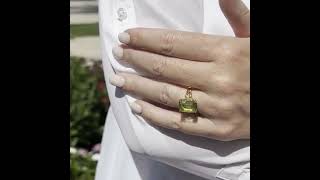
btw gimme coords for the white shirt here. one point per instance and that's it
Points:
(132, 143)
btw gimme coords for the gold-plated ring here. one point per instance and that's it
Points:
(188, 104)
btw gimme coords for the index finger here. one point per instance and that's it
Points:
(180, 44)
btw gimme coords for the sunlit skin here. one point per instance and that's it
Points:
(216, 67)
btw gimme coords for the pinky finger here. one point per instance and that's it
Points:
(189, 124)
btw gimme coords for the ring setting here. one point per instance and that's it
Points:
(188, 104)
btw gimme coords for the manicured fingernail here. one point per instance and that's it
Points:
(117, 80)
(117, 52)
(136, 108)
(124, 38)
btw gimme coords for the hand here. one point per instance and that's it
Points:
(216, 67)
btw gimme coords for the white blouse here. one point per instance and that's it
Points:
(136, 139)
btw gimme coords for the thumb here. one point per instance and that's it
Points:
(238, 16)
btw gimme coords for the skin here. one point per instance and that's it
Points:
(216, 67)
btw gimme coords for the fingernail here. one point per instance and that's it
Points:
(124, 37)
(136, 108)
(116, 80)
(117, 52)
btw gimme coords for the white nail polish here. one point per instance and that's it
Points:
(124, 38)
(117, 52)
(117, 80)
(136, 108)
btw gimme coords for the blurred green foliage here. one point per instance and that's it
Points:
(88, 103)
(82, 167)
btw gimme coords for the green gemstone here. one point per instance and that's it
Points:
(188, 106)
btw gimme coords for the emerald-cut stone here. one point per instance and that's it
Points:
(188, 105)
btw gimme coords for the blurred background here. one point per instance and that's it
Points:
(88, 95)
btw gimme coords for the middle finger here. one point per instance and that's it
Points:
(169, 69)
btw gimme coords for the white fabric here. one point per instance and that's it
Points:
(117, 162)
(200, 156)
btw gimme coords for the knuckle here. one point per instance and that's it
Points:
(225, 133)
(167, 41)
(128, 85)
(177, 125)
(230, 52)
(232, 130)
(209, 108)
(204, 83)
(227, 108)
(225, 49)
(136, 35)
(164, 94)
(159, 66)
(236, 53)
(225, 84)
(128, 54)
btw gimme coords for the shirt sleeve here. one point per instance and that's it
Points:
(197, 155)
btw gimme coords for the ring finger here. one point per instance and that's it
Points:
(159, 92)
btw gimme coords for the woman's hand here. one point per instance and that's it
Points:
(216, 67)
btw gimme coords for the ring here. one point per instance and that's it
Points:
(188, 104)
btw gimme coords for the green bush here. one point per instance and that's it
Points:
(82, 167)
(88, 103)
